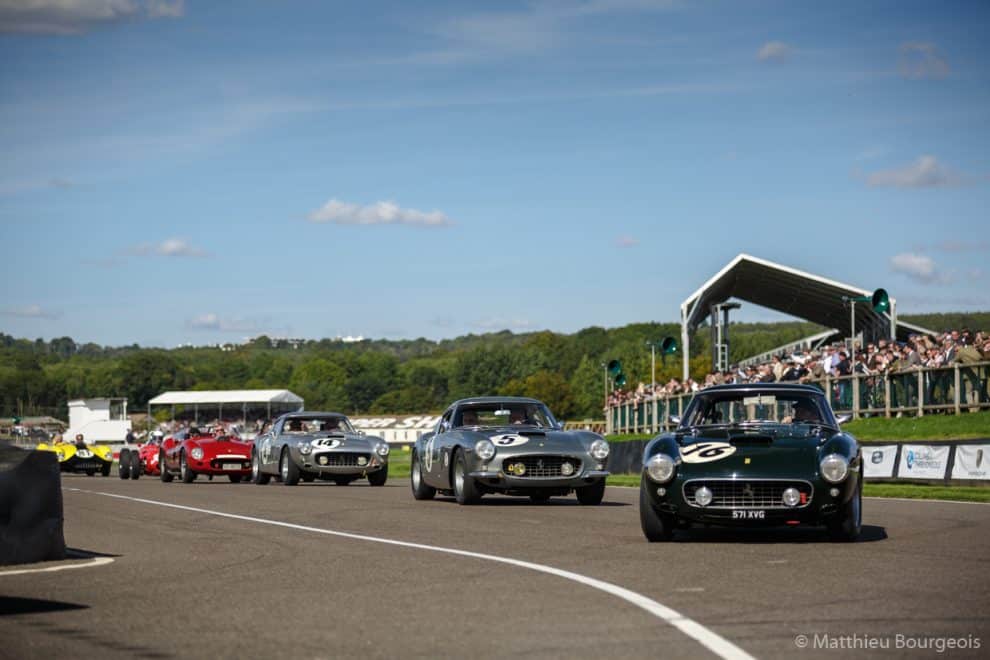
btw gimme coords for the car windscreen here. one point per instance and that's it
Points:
(504, 414)
(754, 407)
(311, 425)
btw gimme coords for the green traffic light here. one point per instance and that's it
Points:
(614, 368)
(880, 301)
(668, 345)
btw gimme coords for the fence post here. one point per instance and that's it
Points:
(955, 369)
(921, 393)
(855, 396)
(656, 427)
(886, 395)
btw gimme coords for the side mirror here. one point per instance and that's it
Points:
(675, 420)
(842, 419)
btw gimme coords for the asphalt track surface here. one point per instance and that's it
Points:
(187, 583)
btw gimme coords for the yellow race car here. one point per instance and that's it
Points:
(80, 457)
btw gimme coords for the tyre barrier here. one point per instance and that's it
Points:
(30, 506)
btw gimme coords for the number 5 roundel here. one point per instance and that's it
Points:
(705, 452)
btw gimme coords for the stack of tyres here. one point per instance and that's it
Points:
(30, 506)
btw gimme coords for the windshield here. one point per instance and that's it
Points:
(504, 414)
(317, 425)
(754, 407)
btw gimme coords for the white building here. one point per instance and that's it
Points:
(399, 429)
(99, 420)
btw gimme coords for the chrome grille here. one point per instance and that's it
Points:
(748, 493)
(542, 466)
(341, 459)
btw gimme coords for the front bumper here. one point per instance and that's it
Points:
(313, 463)
(77, 464)
(218, 466)
(501, 480)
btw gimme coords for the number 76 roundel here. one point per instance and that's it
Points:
(705, 452)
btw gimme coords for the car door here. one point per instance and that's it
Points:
(431, 452)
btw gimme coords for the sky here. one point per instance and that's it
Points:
(202, 172)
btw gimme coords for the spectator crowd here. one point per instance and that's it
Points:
(879, 359)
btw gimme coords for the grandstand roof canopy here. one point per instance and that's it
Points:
(790, 291)
(208, 397)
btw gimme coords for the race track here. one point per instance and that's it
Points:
(218, 579)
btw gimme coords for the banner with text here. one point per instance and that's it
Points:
(972, 462)
(879, 461)
(923, 461)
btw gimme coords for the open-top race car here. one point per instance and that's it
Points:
(193, 451)
(134, 462)
(307, 445)
(753, 455)
(80, 457)
(508, 445)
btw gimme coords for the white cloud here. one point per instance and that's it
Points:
(925, 172)
(216, 323)
(170, 247)
(31, 312)
(774, 50)
(626, 242)
(919, 267)
(922, 60)
(379, 213)
(76, 16)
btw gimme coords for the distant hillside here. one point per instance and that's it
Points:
(393, 376)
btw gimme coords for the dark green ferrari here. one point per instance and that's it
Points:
(765, 454)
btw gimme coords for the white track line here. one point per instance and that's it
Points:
(96, 561)
(707, 638)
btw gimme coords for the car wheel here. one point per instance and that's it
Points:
(288, 469)
(379, 477)
(465, 490)
(234, 478)
(420, 490)
(308, 477)
(656, 527)
(166, 476)
(591, 495)
(846, 525)
(539, 498)
(135, 466)
(185, 472)
(257, 476)
(105, 470)
(124, 465)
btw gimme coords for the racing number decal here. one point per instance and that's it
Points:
(428, 459)
(84, 453)
(705, 452)
(331, 443)
(509, 440)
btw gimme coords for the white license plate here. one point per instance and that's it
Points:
(749, 515)
(231, 466)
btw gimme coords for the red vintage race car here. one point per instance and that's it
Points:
(194, 451)
(137, 461)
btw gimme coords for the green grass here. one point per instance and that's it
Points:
(903, 490)
(398, 463)
(903, 429)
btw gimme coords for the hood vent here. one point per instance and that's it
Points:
(751, 440)
(532, 434)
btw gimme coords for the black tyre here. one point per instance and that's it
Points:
(379, 477)
(591, 495)
(288, 469)
(465, 490)
(257, 476)
(656, 527)
(166, 476)
(420, 490)
(846, 525)
(136, 468)
(124, 464)
(105, 470)
(308, 477)
(234, 478)
(185, 472)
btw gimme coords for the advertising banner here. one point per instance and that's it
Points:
(879, 461)
(972, 462)
(923, 461)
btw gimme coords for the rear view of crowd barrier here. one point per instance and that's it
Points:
(954, 389)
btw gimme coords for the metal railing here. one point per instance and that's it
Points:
(952, 389)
